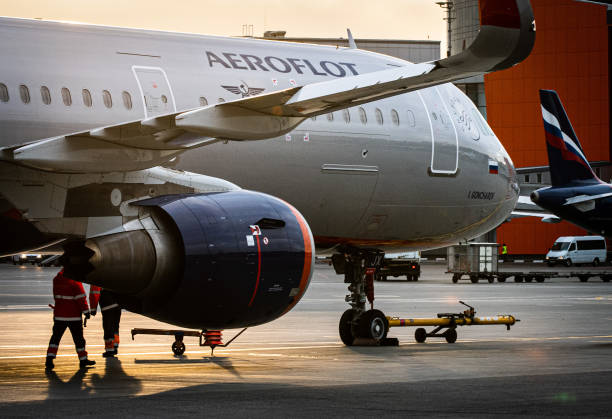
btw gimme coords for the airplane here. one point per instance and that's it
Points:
(576, 193)
(196, 176)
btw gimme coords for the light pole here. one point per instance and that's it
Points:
(448, 6)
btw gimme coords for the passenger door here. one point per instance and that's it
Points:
(155, 90)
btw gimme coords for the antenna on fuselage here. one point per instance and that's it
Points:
(351, 41)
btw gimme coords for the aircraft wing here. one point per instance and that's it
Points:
(526, 208)
(506, 37)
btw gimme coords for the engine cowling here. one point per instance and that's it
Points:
(206, 261)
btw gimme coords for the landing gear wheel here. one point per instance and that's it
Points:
(451, 335)
(373, 325)
(178, 347)
(596, 262)
(346, 328)
(568, 263)
(420, 335)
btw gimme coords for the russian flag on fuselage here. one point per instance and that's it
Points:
(566, 158)
(493, 167)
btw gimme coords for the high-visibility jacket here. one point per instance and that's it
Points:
(70, 298)
(94, 297)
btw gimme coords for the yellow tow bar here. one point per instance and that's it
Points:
(450, 321)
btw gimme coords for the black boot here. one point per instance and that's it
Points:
(109, 354)
(49, 363)
(85, 363)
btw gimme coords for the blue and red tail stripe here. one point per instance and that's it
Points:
(568, 164)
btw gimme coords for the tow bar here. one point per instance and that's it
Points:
(450, 321)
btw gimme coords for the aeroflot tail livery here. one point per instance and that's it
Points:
(577, 194)
(194, 176)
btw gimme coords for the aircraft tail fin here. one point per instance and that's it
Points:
(566, 158)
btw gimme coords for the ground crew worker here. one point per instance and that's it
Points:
(70, 303)
(111, 316)
(504, 252)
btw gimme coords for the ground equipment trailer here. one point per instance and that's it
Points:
(446, 323)
(530, 276)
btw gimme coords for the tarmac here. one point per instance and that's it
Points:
(556, 361)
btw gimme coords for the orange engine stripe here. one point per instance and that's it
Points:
(258, 272)
(307, 255)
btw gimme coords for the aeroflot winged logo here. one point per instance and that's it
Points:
(251, 62)
(244, 90)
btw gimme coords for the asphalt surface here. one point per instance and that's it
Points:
(556, 362)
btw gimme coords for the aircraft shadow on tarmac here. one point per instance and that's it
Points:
(221, 361)
(114, 377)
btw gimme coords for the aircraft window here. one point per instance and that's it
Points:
(362, 115)
(4, 95)
(395, 117)
(314, 118)
(221, 100)
(24, 92)
(87, 98)
(45, 94)
(203, 101)
(484, 129)
(330, 116)
(411, 120)
(66, 97)
(346, 115)
(379, 117)
(164, 99)
(127, 100)
(107, 98)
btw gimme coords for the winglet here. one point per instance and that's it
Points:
(568, 164)
(351, 41)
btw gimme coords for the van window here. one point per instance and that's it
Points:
(595, 244)
(572, 247)
(560, 246)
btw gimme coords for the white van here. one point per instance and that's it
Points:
(577, 249)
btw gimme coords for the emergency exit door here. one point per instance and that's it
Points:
(155, 91)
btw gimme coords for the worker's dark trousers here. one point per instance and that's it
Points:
(76, 329)
(110, 324)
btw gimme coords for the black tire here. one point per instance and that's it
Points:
(474, 279)
(456, 278)
(583, 278)
(451, 336)
(346, 328)
(178, 347)
(501, 279)
(568, 262)
(490, 279)
(373, 325)
(420, 335)
(518, 278)
(540, 279)
(528, 278)
(596, 262)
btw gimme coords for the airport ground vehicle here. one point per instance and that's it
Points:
(22, 258)
(577, 249)
(400, 264)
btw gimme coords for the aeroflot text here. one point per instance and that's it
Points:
(282, 65)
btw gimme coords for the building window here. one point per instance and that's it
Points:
(45, 94)
(66, 97)
(395, 117)
(203, 101)
(346, 115)
(379, 117)
(107, 98)
(540, 176)
(526, 178)
(127, 100)
(330, 116)
(410, 116)
(4, 95)
(362, 115)
(24, 92)
(87, 98)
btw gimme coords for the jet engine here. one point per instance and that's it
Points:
(206, 261)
